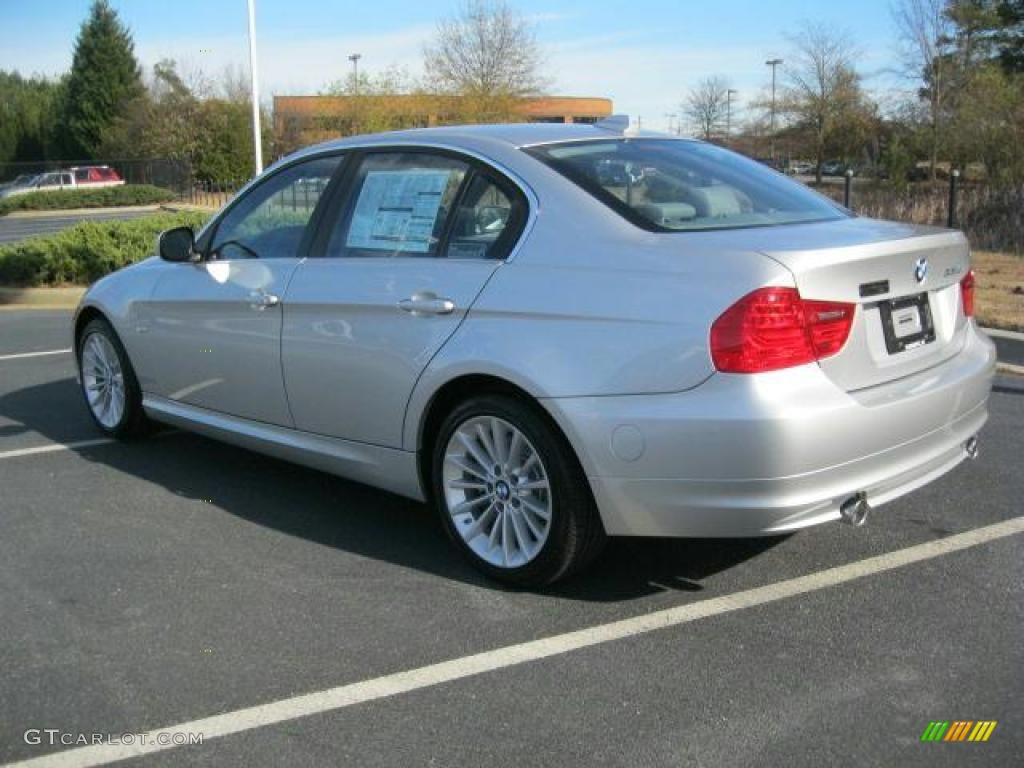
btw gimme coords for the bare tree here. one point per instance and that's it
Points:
(707, 105)
(925, 30)
(487, 54)
(823, 92)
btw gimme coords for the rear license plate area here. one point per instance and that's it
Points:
(907, 323)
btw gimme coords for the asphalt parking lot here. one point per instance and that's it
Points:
(18, 227)
(167, 581)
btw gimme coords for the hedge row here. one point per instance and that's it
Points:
(87, 251)
(104, 197)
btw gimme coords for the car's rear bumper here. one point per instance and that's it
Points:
(765, 454)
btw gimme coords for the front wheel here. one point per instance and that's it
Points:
(108, 381)
(511, 494)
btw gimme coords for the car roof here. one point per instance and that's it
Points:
(511, 134)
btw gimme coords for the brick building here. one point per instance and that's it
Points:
(303, 120)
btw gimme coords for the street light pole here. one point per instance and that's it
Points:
(773, 63)
(254, 84)
(728, 112)
(354, 58)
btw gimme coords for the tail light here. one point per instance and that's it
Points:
(967, 293)
(774, 328)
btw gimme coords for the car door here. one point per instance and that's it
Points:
(415, 237)
(214, 326)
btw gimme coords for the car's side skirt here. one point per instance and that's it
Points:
(388, 468)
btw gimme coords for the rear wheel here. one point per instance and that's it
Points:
(109, 386)
(511, 494)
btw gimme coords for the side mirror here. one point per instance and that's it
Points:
(178, 244)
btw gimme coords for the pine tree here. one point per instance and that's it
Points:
(104, 79)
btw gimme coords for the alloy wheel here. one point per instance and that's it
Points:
(497, 491)
(103, 380)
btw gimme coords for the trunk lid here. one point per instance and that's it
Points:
(905, 281)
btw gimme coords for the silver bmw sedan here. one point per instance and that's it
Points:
(555, 334)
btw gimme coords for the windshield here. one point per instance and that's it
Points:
(671, 185)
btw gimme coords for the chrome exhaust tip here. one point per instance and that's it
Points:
(855, 510)
(971, 447)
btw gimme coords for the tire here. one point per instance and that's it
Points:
(105, 372)
(497, 523)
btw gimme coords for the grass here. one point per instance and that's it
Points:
(87, 251)
(999, 289)
(104, 197)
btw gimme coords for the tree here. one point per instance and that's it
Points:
(989, 125)
(28, 115)
(925, 31)
(488, 56)
(823, 91)
(104, 79)
(1011, 40)
(195, 120)
(707, 105)
(385, 101)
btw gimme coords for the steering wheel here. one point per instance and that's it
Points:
(219, 250)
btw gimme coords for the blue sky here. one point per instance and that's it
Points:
(644, 54)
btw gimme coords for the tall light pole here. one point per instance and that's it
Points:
(728, 111)
(354, 58)
(773, 63)
(254, 83)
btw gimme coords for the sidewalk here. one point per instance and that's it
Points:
(58, 212)
(40, 298)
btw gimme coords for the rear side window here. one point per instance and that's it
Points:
(487, 220)
(82, 174)
(669, 185)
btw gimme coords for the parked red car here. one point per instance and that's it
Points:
(96, 176)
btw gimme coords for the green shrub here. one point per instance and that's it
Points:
(104, 197)
(87, 251)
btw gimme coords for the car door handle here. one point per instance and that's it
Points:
(260, 300)
(427, 304)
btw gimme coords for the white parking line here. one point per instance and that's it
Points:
(21, 355)
(500, 658)
(51, 447)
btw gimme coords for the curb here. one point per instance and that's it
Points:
(1016, 370)
(59, 212)
(1001, 334)
(188, 208)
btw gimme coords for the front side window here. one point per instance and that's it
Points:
(670, 185)
(270, 220)
(399, 205)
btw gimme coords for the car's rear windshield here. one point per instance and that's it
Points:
(673, 185)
